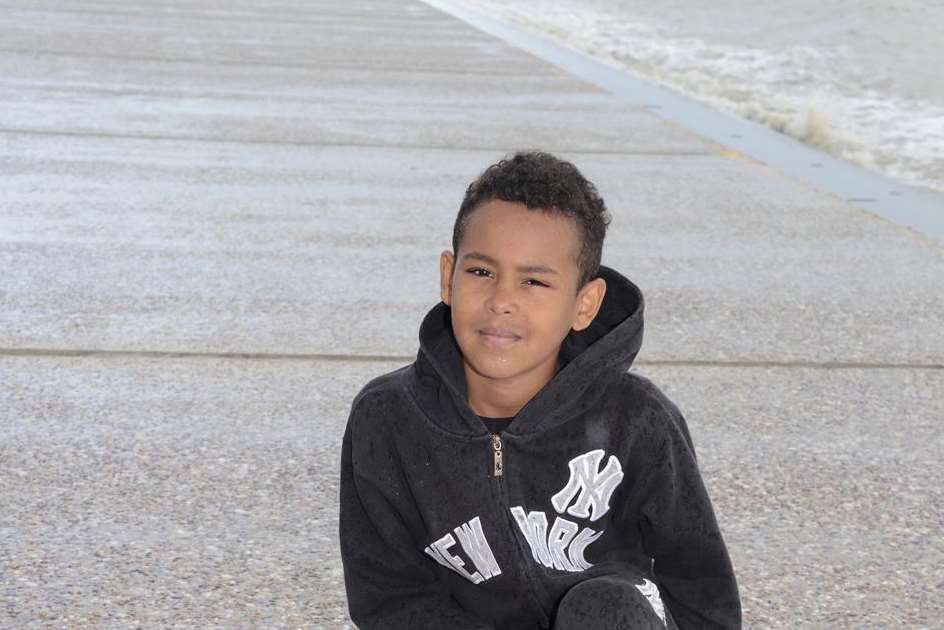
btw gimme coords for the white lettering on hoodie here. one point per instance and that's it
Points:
(563, 546)
(475, 545)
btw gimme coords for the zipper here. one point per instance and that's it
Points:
(498, 472)
(499, 461)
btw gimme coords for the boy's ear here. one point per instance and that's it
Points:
(446, 263)
(589, 300)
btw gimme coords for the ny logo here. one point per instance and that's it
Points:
(562, 545)
(594, 487)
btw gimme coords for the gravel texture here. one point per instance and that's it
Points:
(202, 492)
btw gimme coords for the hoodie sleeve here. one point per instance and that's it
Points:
(389, 583)
(678, 528)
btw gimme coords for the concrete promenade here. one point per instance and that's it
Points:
(218, 220)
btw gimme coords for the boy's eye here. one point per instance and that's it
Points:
(478, 272)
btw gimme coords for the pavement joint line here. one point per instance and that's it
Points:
(118, 89)
(299, 143)
(265, 64)
(372, 358)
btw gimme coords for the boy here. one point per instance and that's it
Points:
(516, 475)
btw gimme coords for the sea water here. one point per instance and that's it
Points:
(860, 79)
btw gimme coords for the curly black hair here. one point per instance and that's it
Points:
(543, 182)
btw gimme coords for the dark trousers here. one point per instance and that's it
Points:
(610, 602)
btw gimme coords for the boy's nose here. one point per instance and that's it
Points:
(501, 301)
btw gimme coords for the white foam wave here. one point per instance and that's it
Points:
(824, 83)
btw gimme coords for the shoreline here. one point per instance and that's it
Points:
(918, 209)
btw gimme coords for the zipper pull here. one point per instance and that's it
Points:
(497, 445)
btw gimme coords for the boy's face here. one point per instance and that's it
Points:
(512, 290)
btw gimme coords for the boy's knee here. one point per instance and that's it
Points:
(611, 603)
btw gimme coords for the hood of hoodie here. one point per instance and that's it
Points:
(590, 358)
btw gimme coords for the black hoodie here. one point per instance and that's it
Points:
(446, 526)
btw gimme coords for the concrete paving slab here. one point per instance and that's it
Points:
(271, 249)
(358, 37)
(325, 106)
(826, 480)
(391, 87)
(271, 10)
(389, 123)
(203, 492)
(129, 498)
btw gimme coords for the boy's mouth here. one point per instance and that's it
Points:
(498, 337)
